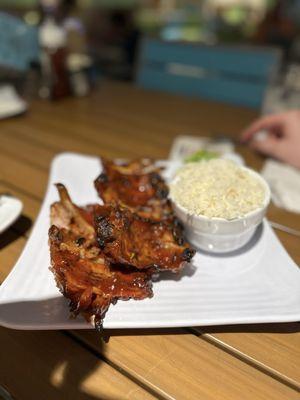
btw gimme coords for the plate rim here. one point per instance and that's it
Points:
(120, 324)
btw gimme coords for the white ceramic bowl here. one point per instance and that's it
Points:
(219, 235)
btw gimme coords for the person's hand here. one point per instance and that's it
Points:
(282, 139)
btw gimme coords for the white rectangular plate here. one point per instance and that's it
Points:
(259, 283)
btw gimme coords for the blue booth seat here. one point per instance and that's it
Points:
(231, 74)
(18, 43)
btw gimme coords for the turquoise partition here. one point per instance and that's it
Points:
(18, 43)
(233, 74)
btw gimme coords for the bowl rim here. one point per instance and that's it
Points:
(250, 214)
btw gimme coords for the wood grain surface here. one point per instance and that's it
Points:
(232, 362)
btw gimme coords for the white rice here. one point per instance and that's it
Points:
(217, 188)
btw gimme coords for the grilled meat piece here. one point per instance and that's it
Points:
(138, 185)
(82, 272)
(65, 214)
(127, 238)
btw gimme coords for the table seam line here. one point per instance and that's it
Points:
(21, 190)
(234, 352)
(23, 160)
(151, 390)
(92, 142)
(57, 150)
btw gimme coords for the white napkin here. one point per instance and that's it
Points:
(10, 102)
(185, 145)
(284, 181)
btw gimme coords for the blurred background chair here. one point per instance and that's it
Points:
(18, 43)
(19, 48)
(232, 74)
(110, 34)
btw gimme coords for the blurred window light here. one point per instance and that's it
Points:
(171, 33)
(192, 33)
(259, 4)
(18, 3)
(32, 18)
(235, 15)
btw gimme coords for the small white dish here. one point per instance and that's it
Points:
(219, 235)
(256, 284)
(10, 210)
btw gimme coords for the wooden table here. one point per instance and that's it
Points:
(232, 362)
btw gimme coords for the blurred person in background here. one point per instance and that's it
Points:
(277, 136)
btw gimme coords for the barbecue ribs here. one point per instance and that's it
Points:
(137, 185)
(127, 238)
(82, 272)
